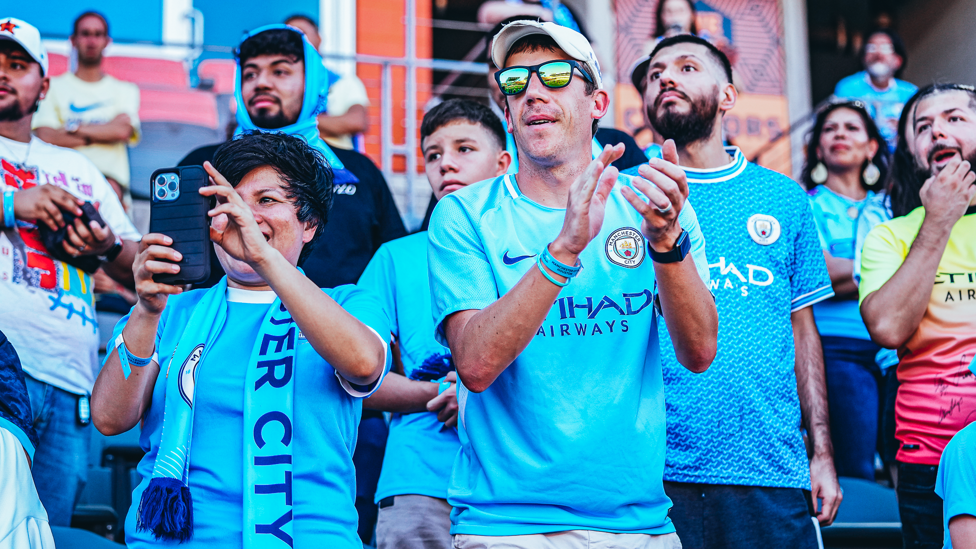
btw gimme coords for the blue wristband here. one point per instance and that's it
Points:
(127, 358)
(559, 267)
(9, 221)
(545, 273)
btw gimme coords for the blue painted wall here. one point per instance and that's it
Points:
(225, 21)
(128, 21)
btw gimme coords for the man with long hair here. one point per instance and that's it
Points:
(918, 295)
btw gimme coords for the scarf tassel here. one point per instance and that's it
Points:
(166, 510)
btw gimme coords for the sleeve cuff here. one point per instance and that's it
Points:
(17, 432)
(363, 391)
(810, 298)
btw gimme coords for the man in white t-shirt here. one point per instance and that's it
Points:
(48, 310)
(90, 111)
(345, 114)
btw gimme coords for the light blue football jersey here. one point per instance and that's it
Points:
(739, 422)
(571, 434)
(956, 481)
(420, 451)
(325, 425)
(839, 221)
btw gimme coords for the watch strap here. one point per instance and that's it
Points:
(676, 254)
(112, 252)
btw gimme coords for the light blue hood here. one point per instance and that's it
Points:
(316, 90)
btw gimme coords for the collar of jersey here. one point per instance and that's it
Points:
(722, 173)
(513, 190)
(240, 295)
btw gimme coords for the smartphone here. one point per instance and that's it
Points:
(179, 211)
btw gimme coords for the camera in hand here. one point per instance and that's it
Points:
(54, 240)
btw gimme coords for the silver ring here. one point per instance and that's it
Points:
(665, 210)
(82, 248)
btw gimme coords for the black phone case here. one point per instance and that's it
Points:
(184, 220)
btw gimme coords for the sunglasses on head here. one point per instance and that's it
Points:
(552, 74)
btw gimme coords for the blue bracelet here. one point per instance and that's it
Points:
(538, 261)
(559, 267)
(9, 221)
(127, 358)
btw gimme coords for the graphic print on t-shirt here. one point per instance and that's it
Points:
(24, 259)
(48, 305)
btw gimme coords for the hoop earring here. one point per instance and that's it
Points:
(819, 173)
(871, 174)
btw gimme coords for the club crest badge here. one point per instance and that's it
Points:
(764, 229)
(625, 247)
(188, 374)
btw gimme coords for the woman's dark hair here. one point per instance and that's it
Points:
(896, 42)
(906, 179)
(880, 159)
(463, 110)
(287, 42)
(659, 29)
(306, 173)
(903, 183)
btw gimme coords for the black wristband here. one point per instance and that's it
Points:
(681, 248)
(112, 252)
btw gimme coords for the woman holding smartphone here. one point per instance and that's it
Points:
(249, 391)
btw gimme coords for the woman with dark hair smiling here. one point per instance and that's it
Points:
(249, 391)
(847, 161)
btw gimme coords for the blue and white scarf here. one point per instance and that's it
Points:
(166, 508)
(317, 83)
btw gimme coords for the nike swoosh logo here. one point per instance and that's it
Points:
(513, 260)
(77, 109)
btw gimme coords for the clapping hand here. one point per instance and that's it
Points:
(665, 185)
(587, 202)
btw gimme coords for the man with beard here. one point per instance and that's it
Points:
(48, 309)
(736, 454)
(91, 111)
(918, 295)
(281, 87)
(560, 390)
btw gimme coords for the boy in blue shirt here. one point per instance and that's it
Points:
(463, 143)
(548, 286)
(736, 462)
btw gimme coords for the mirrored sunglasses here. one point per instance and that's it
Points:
(552, 74)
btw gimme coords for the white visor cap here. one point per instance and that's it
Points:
(573, 43)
